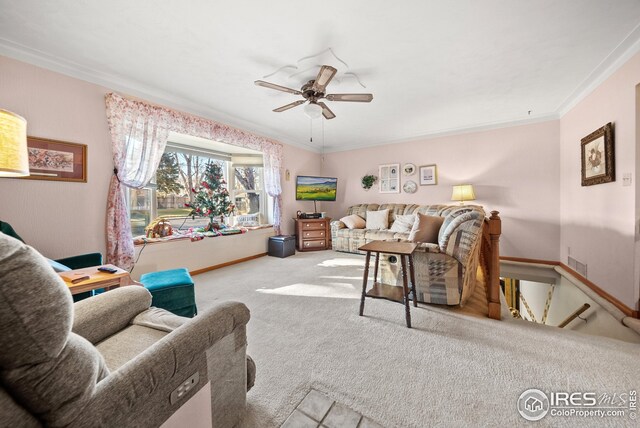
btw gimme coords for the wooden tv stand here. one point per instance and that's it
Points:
(312, 234)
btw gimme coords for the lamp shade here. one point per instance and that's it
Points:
(313, 110)
(14, 158)
(463, 192)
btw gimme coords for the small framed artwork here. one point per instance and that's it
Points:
(409, 169)
(389, 178)
(56, 160)
(428, 175)
(598, 160)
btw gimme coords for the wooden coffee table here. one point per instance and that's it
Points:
(379, 290)
(96, 279)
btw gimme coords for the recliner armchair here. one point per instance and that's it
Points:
(117, 361)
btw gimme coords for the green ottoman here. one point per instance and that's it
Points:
(171, 290)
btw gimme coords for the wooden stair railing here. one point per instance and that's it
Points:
(490, 262)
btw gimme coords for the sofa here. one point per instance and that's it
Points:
(446, 270)
(110, 360)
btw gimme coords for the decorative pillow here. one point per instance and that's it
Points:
(58, 267)
(426, 228)
(403, 223)
(378, 220)
(353, 221)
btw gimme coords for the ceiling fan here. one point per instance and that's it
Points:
(313, 91)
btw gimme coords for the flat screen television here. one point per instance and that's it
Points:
(310, 188)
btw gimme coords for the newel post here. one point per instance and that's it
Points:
(493, 285)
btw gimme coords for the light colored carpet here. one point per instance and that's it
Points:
(451, 369)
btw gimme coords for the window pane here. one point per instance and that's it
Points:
(248, 178)
(248, 186)
(187, 221)
(139, 209)
(172, 193)
(247, 203)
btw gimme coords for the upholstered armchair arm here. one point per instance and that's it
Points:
(104, 315)
(460, 233)
(336, 225)
(206, 344)
(426, 247)
(82, 261)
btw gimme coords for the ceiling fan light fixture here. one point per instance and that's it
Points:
(313, 111)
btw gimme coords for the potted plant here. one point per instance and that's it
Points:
(368, 181)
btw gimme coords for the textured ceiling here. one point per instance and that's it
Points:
(434, 67)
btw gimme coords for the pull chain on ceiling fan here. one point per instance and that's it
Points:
(315, 90)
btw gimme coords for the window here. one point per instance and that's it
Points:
(180, 170)
(248, 187)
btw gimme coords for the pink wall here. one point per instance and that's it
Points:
(59, 218)
(514, 170)
(598, 222)
(297, 162)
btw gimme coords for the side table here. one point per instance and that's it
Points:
(379, 290)
(96, 279)
(312, 233)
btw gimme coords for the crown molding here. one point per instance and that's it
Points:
(616, 59)
(447, 132)
(135, 88)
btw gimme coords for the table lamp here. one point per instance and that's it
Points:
(14, 157)
(463, 192)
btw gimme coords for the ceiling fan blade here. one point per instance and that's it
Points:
(325, 75)
(277, 87)
(290, 105)
(326, 111)
(358, 98)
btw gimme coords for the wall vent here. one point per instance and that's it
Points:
(578, 266)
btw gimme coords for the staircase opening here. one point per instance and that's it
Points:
(543, 294)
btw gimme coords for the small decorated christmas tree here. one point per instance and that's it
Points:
(212, 198)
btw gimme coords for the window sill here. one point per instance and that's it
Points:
(142, 240)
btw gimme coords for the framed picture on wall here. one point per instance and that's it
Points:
(56, 160)
(389, 178)
(598, 160)
(428, 175)
(409, 169)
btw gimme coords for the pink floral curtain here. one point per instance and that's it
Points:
(138, 136)
(139, 133)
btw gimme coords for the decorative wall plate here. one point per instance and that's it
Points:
(409, 169)
(410, 186)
